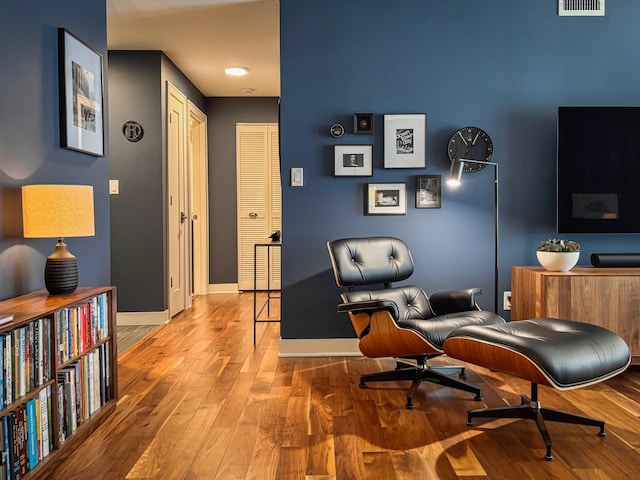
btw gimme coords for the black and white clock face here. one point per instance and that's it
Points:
(471, 143)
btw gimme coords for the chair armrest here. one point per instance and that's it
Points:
(370, 306)
(452, 301)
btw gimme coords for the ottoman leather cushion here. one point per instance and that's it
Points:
(560, 353)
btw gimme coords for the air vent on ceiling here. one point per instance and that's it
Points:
(581, 8)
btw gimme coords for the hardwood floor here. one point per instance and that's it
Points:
(198, 401)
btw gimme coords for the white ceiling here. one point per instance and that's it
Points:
(203, 37)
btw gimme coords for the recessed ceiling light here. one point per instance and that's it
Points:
(236, 71)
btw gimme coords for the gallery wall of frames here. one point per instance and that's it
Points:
(404, 137)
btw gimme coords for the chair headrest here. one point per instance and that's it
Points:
(369, 260)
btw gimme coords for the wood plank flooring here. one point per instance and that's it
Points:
(198, 401)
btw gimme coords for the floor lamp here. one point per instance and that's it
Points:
(455, 179)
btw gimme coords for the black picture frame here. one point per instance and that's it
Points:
(428, 191)
(353, 160)
(363, 123)
(385, 199)
(81, 81)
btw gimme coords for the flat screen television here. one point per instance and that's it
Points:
(598, 169)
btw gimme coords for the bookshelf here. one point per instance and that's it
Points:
(58, 379)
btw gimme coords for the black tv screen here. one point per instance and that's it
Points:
(598, 169)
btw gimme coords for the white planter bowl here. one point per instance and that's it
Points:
(558, 261)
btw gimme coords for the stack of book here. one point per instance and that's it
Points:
(26, 436)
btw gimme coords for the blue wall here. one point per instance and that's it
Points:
(138, 89)
(502, 65)
(30, 143)
(222, 116)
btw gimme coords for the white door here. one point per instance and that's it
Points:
(198, 200)
(259, 203)
(178, 233)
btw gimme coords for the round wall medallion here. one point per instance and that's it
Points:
(132, 131)
(337, 130)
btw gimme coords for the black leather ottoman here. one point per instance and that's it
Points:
(558, 353)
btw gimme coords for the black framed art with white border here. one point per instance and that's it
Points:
(353, 160)
(386, 199)
(428, 191)
(81, 87)
(405, 140)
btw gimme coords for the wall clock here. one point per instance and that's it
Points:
(471, 143)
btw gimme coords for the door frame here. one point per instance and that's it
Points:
(199, 199)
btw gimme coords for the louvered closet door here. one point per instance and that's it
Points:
(259, 202)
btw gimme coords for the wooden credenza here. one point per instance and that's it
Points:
(608, 297)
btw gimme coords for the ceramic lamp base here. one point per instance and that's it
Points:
(61, 271)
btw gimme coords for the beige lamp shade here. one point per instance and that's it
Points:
(57, 211)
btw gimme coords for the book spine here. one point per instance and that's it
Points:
(14, 454)
(21, 439)
(17, 365)
(2, 372)
(45, 400)
(31, 434)
(7, 447)
(62, 424)
(37, 350)
(8, 366)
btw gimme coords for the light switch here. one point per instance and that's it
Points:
(114, 187)
(297, 179)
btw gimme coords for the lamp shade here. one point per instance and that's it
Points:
(455, 173)
(57, 211)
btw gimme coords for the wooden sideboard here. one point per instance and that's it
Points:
(608, 297)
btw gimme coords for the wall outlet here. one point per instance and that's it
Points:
(507, 301)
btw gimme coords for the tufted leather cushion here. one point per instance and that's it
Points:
(568, 354)
(411, 301)
(415, 313)
(370, 261)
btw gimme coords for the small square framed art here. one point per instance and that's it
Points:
(353, 160)
(386, 199)
(428, 191)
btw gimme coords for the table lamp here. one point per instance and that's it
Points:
(58, 211)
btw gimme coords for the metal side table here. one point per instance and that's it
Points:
(257, 310)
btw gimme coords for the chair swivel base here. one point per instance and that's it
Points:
(530, 409)
(419, 373)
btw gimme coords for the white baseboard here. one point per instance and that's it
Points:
(319, 347)
(143, 318)
(223, 288)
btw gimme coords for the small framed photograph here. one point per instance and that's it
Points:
(386, 199)
(80, 84)
(428, 191)
(353, 160)
(405, 141)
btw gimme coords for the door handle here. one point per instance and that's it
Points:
(183, 217)
(253, 214)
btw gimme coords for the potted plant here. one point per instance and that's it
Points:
(558, 255)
